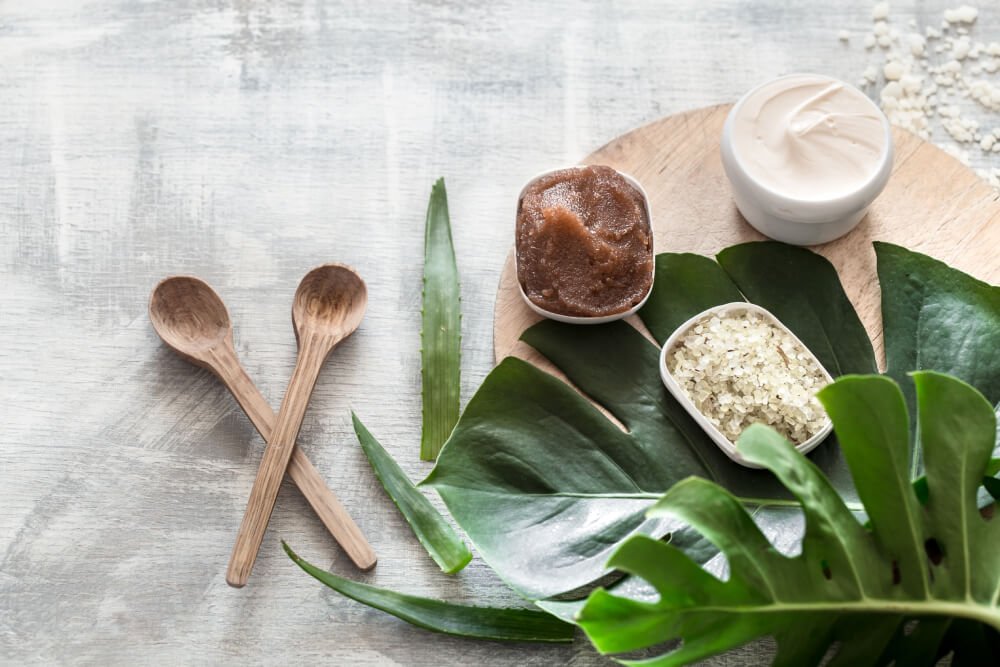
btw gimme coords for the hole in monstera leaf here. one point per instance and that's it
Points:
(826, 569)
(934, 551)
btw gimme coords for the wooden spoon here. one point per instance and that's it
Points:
(192, 320)
(328, 307)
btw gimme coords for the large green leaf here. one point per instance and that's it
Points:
(546, 487)
(516, 625)
(937, 318)
(546, 518)
(931, 562)
(440, 333)
(685, 285)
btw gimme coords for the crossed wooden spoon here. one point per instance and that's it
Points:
(193, 321)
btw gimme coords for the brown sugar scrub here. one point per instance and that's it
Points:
(584, 242)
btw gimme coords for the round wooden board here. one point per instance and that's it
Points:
(933, 204)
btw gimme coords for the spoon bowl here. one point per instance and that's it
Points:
(190, 317)
(331, 301)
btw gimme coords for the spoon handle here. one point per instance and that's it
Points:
(312, 352)
(305, 476)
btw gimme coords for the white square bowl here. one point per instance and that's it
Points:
(724, 443)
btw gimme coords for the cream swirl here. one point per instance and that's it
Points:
(809, 137)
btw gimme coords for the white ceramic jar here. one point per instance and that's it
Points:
(806, 156)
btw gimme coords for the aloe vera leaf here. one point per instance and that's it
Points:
(438, 537)
(441, 328)
(501, 624)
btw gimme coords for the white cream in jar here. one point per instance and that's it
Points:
(806, 155)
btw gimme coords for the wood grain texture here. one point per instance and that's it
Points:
(245, 141)
(932, 204)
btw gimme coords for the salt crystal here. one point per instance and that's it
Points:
(960, 49)
(893, 70)
(774, 383)
(892, 90)
(917, 44)
(963, 14)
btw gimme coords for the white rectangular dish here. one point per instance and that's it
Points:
(726, 445)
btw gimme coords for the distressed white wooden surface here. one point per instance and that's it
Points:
(246, 141)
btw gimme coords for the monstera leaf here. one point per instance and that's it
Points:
(547, 487)
(938, 318)
(931, 562)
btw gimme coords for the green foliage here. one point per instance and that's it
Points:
(931, 562)
(433, 530)
(555, 495)
(516, 625)
(440, 332)
(546, 487)
(937, 318)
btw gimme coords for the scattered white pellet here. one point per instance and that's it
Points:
(961, 129)
(986, 93)
(893, 70)
(960, 48)
(934, 74)
(844, 36)
(910, 84)
(963, 14)
(892, 90)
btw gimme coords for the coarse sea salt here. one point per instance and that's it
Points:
(739, 368)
